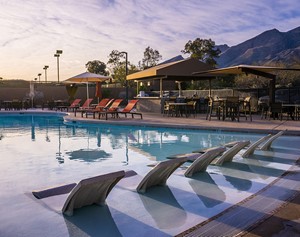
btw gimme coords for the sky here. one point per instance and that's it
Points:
(32, 30)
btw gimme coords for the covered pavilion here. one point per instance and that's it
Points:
(264, 71)
(177, 71)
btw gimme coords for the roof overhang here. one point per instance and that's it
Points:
(263, 71)
(179, 70)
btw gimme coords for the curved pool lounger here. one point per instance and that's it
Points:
(87, 192)
(230, 153)
(201, 163)
(158, 175)
(250, 150)
(268, 143)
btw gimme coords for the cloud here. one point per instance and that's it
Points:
(31, 31)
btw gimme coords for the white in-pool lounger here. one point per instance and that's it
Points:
(158, 175)
(231, 152)
(267, 145)
(200, 164)
(262, 144)
(87, 192)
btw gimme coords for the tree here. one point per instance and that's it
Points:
(203, 49)
(151, 58)
(97, 67)
(118, 67)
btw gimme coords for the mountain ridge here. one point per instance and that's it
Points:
(268, 48)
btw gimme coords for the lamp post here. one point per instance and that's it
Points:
(39, 75)
(57, 55)
(126, 72)
(45, 68)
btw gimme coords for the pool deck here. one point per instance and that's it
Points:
(257, 125)
(281, 218)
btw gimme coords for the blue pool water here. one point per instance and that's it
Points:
(39, 151)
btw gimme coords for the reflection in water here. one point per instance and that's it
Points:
(88, 155)
(207, 190)
(239, 175)
(92, 221)
(163, 207)
(239, 183)
(59, 157)
(32, 129)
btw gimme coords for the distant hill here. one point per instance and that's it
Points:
(268, 48)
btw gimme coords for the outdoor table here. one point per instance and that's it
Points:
(179, 108)
(230, 107)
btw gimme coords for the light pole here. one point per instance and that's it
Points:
(126, 72)
(45, 68)
(39, 75)
(58, 53)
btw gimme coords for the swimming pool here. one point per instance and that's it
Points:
(39, 151)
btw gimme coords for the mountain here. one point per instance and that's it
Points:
(267, 48)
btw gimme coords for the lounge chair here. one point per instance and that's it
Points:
(86, 105)
(87, 192)
(99, 107)
(158, 175)
(267, 145)
(250, 150)
(263, 143)
(111, 110)
(200, 164)
(128, 109)
(75, 104)
(231, 152)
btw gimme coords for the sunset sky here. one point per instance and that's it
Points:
(32, 30)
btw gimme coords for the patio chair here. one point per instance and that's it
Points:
(86, 105)
(87, 192)
(231, 152)
(245, 108)
(111, 110)
(99, 107)
(75, 104)
(200, 164)
(213, 109)
(158, 175)
(128, 109)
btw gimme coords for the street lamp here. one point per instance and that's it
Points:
(126, 72)
(45, 68)
(58, 53)
(39, 75)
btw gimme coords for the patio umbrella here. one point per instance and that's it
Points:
(98, 92)
(87, 77)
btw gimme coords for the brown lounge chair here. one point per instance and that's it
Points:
(111, 110)
(128, 109)
(87, 192)
(86, 105)
(99, 107)
(75, 104)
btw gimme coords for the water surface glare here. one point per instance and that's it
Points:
(39, 151)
